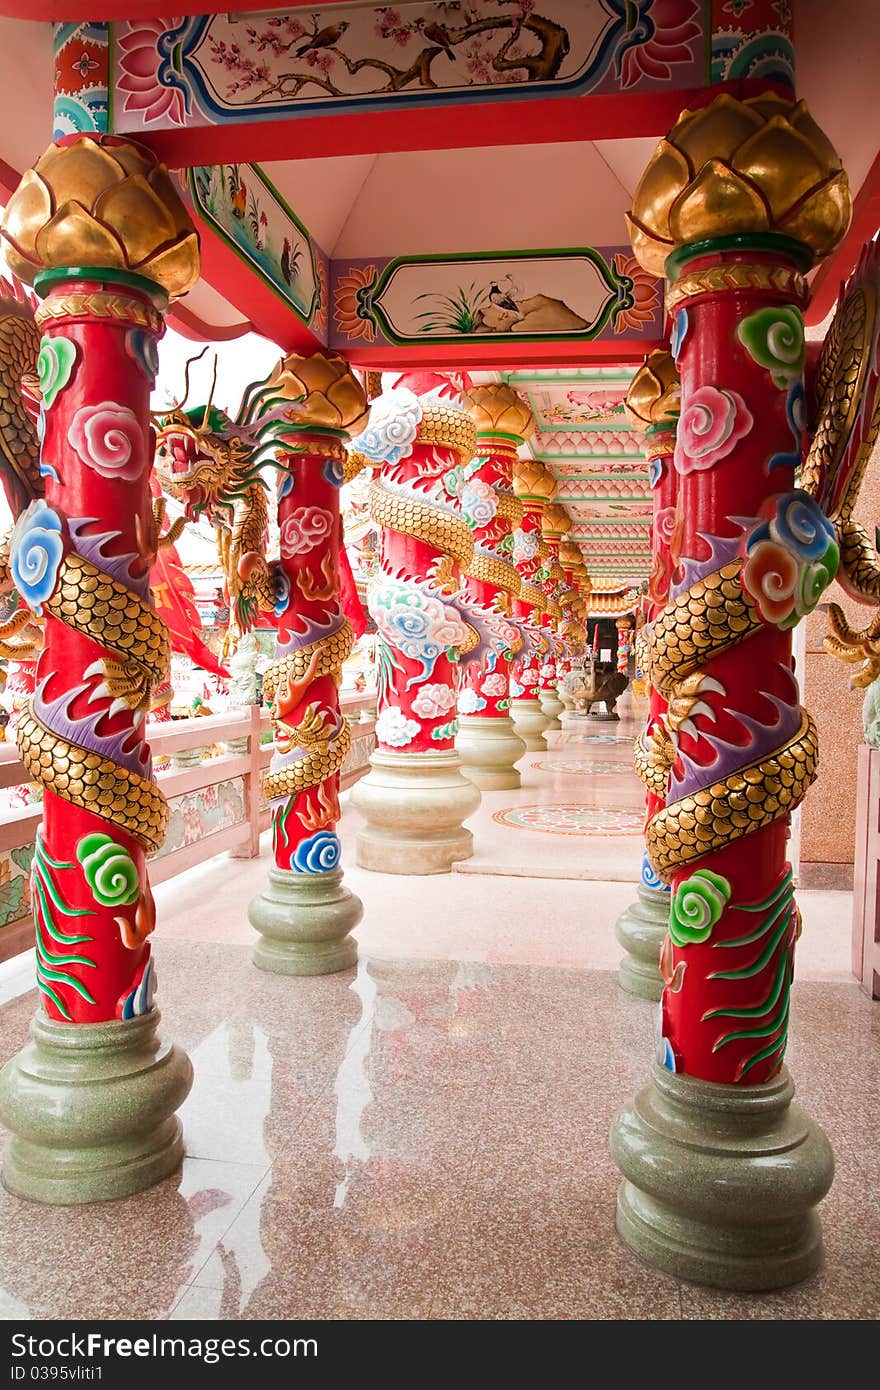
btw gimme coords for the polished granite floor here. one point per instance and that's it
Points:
(426, 1137)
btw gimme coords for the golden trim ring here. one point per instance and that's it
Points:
(121, 308)
(737, 275)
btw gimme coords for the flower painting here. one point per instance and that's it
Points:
(205, 68)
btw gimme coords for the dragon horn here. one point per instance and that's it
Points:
(207, 413)
(198, 357)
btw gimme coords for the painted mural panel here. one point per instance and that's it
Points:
(571, 294)
(198, 815)
(82, 75)
(240, 203)
(752, 39)
(212, 69)
(15, 897)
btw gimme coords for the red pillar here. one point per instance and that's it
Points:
(652, 405)
(534, 486)
(737, 204)
(305, 916)
(487, 742)
(98, 228)
(414, 798)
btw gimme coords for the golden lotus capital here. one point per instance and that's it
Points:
(324, 392)
(654, 395)
(533, 482)
(738, 167)
(104, 202)
(497, 409)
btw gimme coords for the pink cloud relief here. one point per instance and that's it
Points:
(494, 685)
(433, 701)
(664, 525)
(108, 439)
(711, 425)
(303, 529)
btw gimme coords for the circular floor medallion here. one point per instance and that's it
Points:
(572, 818)
(592, 738)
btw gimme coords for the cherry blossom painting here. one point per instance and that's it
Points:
(208, 69)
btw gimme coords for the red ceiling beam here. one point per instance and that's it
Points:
(447, 125)
(506, 354)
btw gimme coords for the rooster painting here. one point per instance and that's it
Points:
(238, 193)
(290, 259)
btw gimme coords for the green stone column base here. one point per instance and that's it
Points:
(414, 805)
(551, 707)
(530, 721)
(305, 921)
(640, 929)
(488, 746)
(721, 1183)
(91, 1110)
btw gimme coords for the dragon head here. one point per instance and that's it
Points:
(202, 460)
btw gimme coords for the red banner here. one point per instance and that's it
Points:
(174, 597)
(348, 595)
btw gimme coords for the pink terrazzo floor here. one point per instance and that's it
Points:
(427, 1136)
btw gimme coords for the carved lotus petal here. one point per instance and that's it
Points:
(137, 216)
(30, 209)
(818, 220)
(715, 131)
(781, 163)
(666, 175)
(74, 237)
(172, 268)
(718, 202)
(80, 171)
(650, 250)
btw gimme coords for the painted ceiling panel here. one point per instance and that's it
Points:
(582, 435)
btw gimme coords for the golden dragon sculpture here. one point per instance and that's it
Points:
(213, 462)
